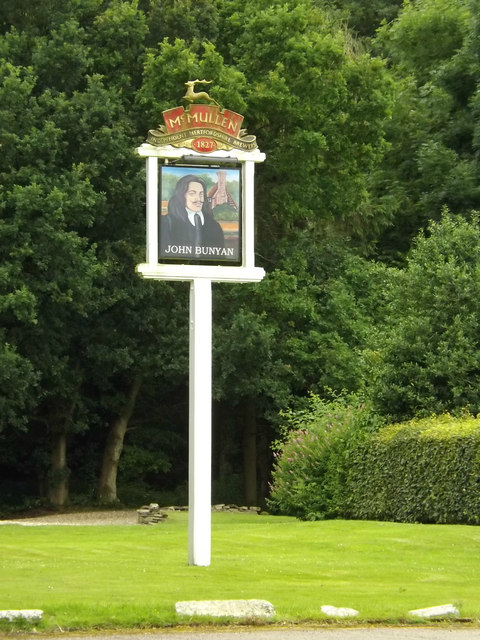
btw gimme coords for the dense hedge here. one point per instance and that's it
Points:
(337, 461)
(313, 458)
(419, 471)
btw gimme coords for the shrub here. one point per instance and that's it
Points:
(308, 478)
(425, 470)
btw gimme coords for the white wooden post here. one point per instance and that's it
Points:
(248, 198)
(200, 423)
(152, 210)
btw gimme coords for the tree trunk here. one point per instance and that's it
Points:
(107, 484)
(250, 454)
(58, 475)
(264, 462)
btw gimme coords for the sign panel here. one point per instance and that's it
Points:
(200, 215)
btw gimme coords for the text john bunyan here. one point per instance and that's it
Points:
(188, 250)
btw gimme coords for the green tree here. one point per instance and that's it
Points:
(305, 328)
(432, 160)
(78, 321)
(318, 107)
(310, 96)
(364, 18)
(51, 266)
(427, 358)
(194, 21)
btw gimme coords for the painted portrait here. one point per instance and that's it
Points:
(200, 214)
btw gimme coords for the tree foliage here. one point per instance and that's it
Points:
(429, 350)
(432, 161)
(366, 141)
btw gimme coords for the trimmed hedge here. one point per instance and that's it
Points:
(424, 470)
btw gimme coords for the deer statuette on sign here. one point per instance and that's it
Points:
(192, 96)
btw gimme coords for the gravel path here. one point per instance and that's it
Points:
(113, 517)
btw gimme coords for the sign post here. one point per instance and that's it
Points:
(200, 432)
(200, 228)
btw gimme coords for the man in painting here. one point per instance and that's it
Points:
(189, 223)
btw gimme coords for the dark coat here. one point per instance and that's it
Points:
(177, 230)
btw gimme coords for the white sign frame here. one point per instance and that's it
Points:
(247, 271)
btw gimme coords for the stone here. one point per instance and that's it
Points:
(234, 508)
(150, 514)
(33, 615)
(339, 612)
(226, 608)
(231, 508)
(436, 612)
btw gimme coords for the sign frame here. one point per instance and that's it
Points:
(152, 268)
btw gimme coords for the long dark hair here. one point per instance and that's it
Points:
(176, 204)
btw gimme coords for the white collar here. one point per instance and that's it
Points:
(191, 216)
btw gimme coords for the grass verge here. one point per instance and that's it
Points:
(88, 577)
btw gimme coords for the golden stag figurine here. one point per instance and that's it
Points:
(192, 96)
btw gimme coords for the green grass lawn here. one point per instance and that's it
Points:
(127, 576)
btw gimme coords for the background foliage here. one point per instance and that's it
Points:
(371, 288)
(428, 350)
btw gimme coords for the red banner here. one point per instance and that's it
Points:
(203, 115)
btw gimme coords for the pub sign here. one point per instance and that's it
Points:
(200, 172)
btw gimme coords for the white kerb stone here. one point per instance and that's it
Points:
(28, 614)
(436, 612)
(339, 612)
(226, 608)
